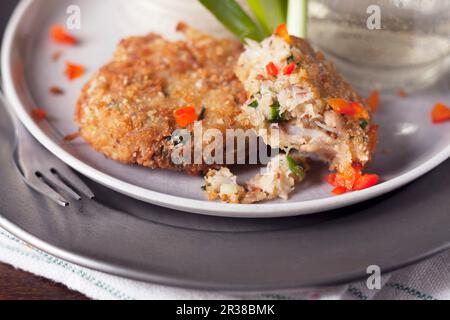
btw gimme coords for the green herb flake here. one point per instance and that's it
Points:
(254, 104)
(274, 114)
(296, 168)
(290, 59)
(363, 124)
(201, 116)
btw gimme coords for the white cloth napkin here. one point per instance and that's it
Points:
(428, 280)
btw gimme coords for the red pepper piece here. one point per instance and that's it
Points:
(289, 69)
(272, 69)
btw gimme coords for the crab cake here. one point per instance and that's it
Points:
(127, 110)
(292, 86)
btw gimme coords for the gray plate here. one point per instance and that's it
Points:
(140, 241)
(410, 145)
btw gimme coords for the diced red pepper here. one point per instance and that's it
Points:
(38, 114)
(289, 69)
(345, 179)
(259, 77)
(72, 136)
(74, 71)
(59, 35)
(352, 180)
(272, 69)
(282, 31)
(348, 178)
(339, 191)
(361, 112)
(185, 116)
(331, 179)
(366, 181)
(440, 113)
(348, 108)
(342, 106)
(374, 101)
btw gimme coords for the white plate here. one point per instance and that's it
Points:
(409, 146)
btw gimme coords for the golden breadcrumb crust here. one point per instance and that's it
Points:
(126, 111)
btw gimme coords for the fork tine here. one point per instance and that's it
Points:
(40, 186)
(69, 178)
(55, 179)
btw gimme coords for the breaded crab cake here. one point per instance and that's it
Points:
(128, 110)
(318, 113)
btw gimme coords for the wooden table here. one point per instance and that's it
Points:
(19, 285)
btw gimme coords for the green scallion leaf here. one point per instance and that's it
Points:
(270, 13)
(298, 18)
(234, 18)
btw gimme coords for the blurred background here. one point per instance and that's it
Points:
(6, 8)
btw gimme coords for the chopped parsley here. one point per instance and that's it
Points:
(201, 116)
(295, 167)
(290, 59)
(254, 104)
(363, 124)
(274, 114)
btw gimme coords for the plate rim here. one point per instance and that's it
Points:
(266, 210)
(98, 265)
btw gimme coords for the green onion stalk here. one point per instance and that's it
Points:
(235, 19)
(268, 13)
(298, 18)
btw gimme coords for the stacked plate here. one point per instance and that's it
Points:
(136, 228)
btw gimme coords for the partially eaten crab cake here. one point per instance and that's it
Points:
(318, 113)
(277, 181)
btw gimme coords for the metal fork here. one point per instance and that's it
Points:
(46, 174)
(42, 171)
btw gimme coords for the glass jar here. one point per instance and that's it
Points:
(385, 44)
